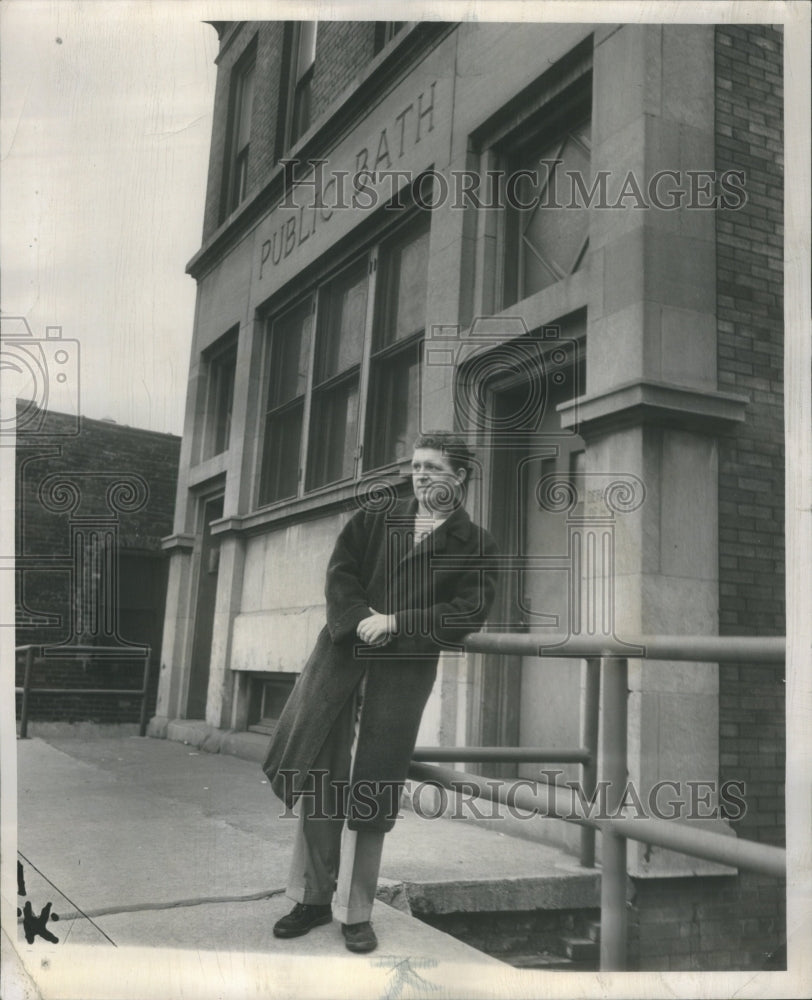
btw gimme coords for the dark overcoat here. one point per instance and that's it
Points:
(439, 590)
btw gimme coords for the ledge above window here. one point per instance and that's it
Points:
(343, 496)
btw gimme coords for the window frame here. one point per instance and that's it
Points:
(225, 348)
(561, 94)
(550, 125)
(235, 174)
(299, 82)
(371, 252)
(385, 32)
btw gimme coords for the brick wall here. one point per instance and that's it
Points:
(736, 923)
(91, 461)
(751, 457)
(705, 924)
(343, 49)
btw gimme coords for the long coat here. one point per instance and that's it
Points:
(439, 590)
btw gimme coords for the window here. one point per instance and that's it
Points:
(369, 324)
(538, 149)
(289, 357)
(242, 100)
(221, 361)
(395, 367)
(546, 231)
(385, 31)
(303, 58)
(339, 349)
(269, 692)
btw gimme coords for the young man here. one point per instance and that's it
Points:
(403, 583)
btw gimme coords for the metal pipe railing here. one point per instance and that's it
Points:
(105, 653)
(691, 648)
(502, 755)
(548, 800)
(613, 845)
(607, 665)
(589, 771)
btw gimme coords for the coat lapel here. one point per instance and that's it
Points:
(457, 525)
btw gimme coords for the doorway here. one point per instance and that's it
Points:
(528, 701)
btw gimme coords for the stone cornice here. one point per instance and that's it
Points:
(650, 402)
(180, 542)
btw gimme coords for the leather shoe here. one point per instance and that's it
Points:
(301, 919)
(359, 937)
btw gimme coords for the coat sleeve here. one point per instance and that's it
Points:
(420, 631)
(345, 588)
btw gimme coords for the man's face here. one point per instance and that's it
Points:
(435, 483)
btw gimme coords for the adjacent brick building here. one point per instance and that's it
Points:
(93, 499)
(628, 335)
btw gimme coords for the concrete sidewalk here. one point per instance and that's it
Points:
(151, 844)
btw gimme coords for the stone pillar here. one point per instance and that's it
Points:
(177, 634)
(651, 407)
(229, 595)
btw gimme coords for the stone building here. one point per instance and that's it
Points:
(565, 241)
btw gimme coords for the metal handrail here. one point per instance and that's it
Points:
(102, 652)
(607, 658)
(690, 648)
(550, 801)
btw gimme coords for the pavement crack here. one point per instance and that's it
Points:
(108, 911)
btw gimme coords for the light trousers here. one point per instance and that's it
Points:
(328, 858)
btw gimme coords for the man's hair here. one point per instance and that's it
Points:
(453, 446)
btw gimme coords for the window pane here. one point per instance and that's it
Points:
(290, 349)
(333, 434)
(245, 101)
(306, 53)
(393, 417)
(280, 467)
(405, 280)
(301, 108)
(343, 313)
(221, 402)
(546, 242)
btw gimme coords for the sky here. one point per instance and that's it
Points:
(104, 138)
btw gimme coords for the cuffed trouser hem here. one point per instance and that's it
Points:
(345, 916)
(309, 896)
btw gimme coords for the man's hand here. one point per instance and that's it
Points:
(376, 630)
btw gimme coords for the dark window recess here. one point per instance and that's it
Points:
(303, 59)
(287, 380)
(397, 347)
(269, 692)
(242, 102)
(337, 368)
(316, 405)
(385, 31)
(221, 361)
